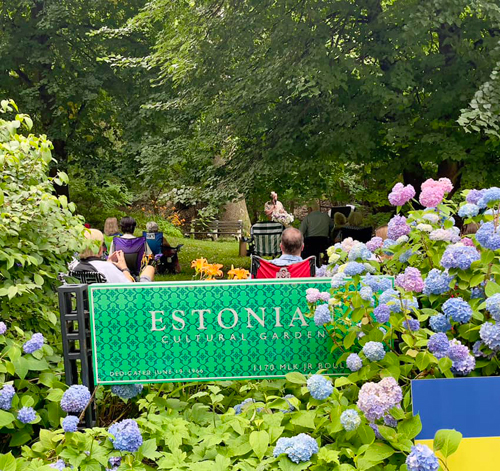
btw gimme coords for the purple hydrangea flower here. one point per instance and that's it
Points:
(376, 399)
(400, 194)
(474, 196)
(412, 324)
(6, 395)
(410, 280)
(75, 399)
(374, 243)
(457, 351)
(489, 236)
(397, 227)
(319, 387)
(468, 210)
(439, 323)
(377, 283)
(422, 458)
(115, 461)
(126, 435)
(378, 435)
(459, 256)
(390, 421)
(325, 296)
(3, 328)
(299, 448)
(350, 420)
(70, 423)
(463, 367)
(438, 344)
(26, 415)
(437, 282)
(59, 464)
(393, 300)
(491, 195)
(354, 362)
(374, 351)
(493, 306)
(382, 313)
(490, 335)
(322, 315)
(458, 310)
(405, 256)
(127, 391)
(34, 344)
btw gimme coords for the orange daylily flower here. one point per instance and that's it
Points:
(212, 270)
(199, 264)
(238, 273)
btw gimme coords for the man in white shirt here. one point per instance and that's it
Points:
(115, 268)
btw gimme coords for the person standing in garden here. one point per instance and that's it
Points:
(292, 244)
(316, 228)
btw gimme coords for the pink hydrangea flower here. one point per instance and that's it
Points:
(347, 244)
(467, 242)
(374, 243)
(313, 295)
(433, 191)
(401, 194)
(411, 280)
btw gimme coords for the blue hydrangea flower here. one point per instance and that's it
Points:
(438, 343)
(493, 306)
(3, 328)
(75, 399)
(304, 446)
(359, 251)
(354, 268)
(59, 464)
(322, 315)
(70, 423)
(458, 310)
(437, 282)
(126, 435)
(366, 293)
(350, 420)
(354, 362)
(291, 407)
(463, 367)
(477, 293)
(468, 210)
(489, 236)
(26, 415)
(34, 344)
(412, 324)
(440, 323)
(491, 195)
(338, 280)
(127, 391)
(490, 335)
(115, 461)
(6, 395)
(374, 351)
(405, 256)
(422, 458)
(238, 408)
(319, 387)
(459, 256)
(377, 283)
(382, 313)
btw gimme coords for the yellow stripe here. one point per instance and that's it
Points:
(473, 454)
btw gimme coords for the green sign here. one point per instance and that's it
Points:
(207, 330)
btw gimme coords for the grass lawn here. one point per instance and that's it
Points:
(225, 252)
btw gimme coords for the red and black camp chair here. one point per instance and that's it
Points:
(261, 268)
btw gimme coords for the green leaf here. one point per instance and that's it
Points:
(444, 364)
(22, 366)
(6, 418)
(296, 378)
(447, 441)
(286, 465)
(366, 434)
(148, 449)
(491, 289)
(329, 456)
(378, 452)
(259, 441)
(411, 427)
(397, 413)
(55, 395)
(304, 418)
(20, 438)
(7, 462)
(343, 381)
(476, 280)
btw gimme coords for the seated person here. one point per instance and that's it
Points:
(111, 231)
(114, 269)
(127, 225)
(291, 245)
(154, 238)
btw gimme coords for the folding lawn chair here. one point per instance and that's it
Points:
(133, 249)
(261, 268)
(154, 241)
(266, 238)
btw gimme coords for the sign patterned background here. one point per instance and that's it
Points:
(126, 350)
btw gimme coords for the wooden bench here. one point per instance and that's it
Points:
(215, 229)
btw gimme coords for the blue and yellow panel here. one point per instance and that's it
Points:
(469, 405)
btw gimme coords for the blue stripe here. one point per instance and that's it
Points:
(469, 405)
